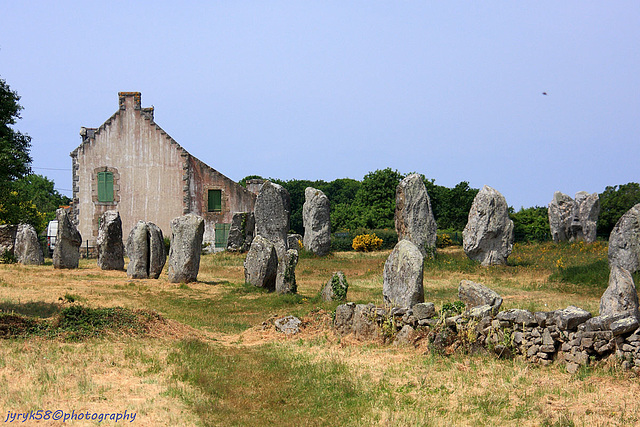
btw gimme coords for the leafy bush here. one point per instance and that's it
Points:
(443, 240)
(531, 224)
(366, 242)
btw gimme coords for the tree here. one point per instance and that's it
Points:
(531, 224)
(614, 202)
(41, 192)
(14, 146)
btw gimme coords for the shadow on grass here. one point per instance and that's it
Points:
(39, 309)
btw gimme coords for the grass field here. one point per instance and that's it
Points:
(206, 353)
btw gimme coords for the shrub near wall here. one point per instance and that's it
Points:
(343, 240)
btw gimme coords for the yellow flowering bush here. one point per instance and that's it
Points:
(366, 242)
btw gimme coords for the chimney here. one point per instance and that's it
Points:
(130, 100)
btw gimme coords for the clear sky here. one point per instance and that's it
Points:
(334, 89)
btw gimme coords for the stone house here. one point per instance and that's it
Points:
(131, 165)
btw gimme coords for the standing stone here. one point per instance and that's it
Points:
(289, 284)
(138, 251)
(272, 212)
(403, 271)
(488, 235)
(621, 295)
(261, 264)
(571, 220)
(475, 294)
(186, 246)
(562, 211)
(157, 251)
(588, 212)
(110, 247)
(7, 238)
(336, 288)
(414, 218)
(27, 248)
(68, 240)
(241, 232)
(293, 241)
(146, 251)
(316, 217)
(624, 241)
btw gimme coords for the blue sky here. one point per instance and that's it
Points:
(334, 89)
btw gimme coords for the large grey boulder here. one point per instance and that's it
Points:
(7, 238)
(316, 218)
(272, 213)
(289, 284)
(336, 288)
(186, 246)
(475, 294)
(403, 272)
(488, 235)
(571, 220)
(624, 241)
(621, 295)
(241, 232)
(261, 264)
(413, 216)
(146, 251)
(562, 211)
(110, 246)
(588, 212)
(27, 248)
(68, 240)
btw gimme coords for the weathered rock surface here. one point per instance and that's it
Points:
(27, 248)
(405, 336)
(68, 240)
(344, 318)
(424, 310)
(289, 325)
(109, 242)
(621, 295)
(186, 246)
(261, 264)
(289, 284)
(317, 221)
(272, 213)
(571, 219)
(364, 325)
(146, 251)
(413, 216)
(571, 317)
(488, 235)
(241, 232)
(624, 241)
(293, 241)
(403, 273)
(475, 294)
(336, 288)
(7, 238)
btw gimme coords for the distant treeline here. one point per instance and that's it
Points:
(370, 204)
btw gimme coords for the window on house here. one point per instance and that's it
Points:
(105, 187)
(215, 201)
(222, 234)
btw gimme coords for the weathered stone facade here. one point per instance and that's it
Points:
(151, 177)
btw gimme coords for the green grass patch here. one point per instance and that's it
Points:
(265, 385)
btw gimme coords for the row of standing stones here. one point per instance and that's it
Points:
(571, 335)
(145, 246)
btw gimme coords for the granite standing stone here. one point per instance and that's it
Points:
(588, 213)
(7, 238)
(624, 241)
(336, 288)
(186, 246)
(261, 264)
(316, 217)
(289, 284)
(157, 251)
(621, 295)
(293, 241)
(403, 273)
(562, 211)
(241, 232)
(488, 235)
(272, 212)
(571, 220)
(146, 251)
(110, 246)
(413, 216)
(27, 248)
(68, 240)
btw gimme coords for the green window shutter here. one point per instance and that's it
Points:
(105, 187)
(214, 203)
(222, 235)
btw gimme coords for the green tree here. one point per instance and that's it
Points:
(614, 202)
(41, 192)
(531, 224)
(14, 146)
(376, 199)
(450, 206)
